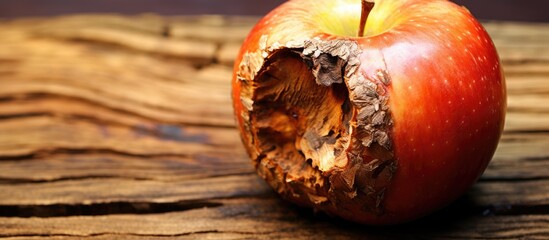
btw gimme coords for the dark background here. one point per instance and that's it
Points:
(513, 10)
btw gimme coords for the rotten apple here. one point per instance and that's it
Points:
(377, 112)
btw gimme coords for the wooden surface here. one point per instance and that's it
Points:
(121, 127)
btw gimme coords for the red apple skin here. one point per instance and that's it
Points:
(447, 97)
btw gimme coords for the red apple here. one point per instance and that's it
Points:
(381, 128)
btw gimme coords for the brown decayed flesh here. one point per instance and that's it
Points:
(319, 131)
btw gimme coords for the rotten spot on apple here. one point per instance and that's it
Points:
(345, 105)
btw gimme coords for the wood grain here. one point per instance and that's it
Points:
(121, 127)
(268, 218)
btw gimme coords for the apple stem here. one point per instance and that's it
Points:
(366, 7)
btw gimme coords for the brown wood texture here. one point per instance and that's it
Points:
(122, 127)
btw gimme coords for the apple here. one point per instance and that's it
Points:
(376, 112)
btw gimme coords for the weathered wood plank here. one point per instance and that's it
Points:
(219, 29)
(523, 146)
(85, 165)
(101, 190)
(227, 53)
(46, 97)
(518, 85)
(105, 190)
(517, 30)
(173, 88)
(196, 31)
(526, 68)
(27, 136)
(527, 121)
(268, 219)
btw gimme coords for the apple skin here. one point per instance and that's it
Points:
(447, 94)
